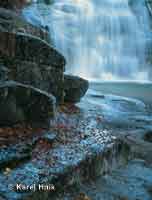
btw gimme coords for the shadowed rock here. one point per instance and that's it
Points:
(14, 4)
(40, 76)
(33, 61)
(22, 103)
(74, 88)
(30, 48)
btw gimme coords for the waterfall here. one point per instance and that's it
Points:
(100, 39)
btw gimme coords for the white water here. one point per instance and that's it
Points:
(100, 39)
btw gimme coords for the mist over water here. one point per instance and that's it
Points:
(100, 39)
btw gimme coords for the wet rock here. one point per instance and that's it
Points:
(28, 48)
(12, 156)
(4, 72)
(15, 4)
(71, 159)
(45, 1)
(12, 22)
(148, 136)
(74, 88)
(40, 76)
(140, 148)
(48, 137)
(33, 61)
(22, 103)
(125, 183)
(15, 152)
(29, 59)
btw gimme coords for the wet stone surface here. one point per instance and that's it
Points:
(80, 140)
(85, 145)
(132, 182)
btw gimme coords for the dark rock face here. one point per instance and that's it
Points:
(33, 61)
(148, 136)
(45, 77)
(13, 4)
(74, 88)
(29, 48)
(4, 71)
(22, 103)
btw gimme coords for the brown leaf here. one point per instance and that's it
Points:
(82, 196)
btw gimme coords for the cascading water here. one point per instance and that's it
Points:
(99, 38)
(103, 40)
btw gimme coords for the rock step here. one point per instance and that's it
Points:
(20, 153)
(131, 182)
(29, 48)
(41, 76)
(23, 103)
(66, 88)
(93, 164)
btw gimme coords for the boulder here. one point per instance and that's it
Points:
(74, 88)
(23, 103)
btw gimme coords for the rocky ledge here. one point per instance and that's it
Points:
(75, 157)
(23, 103)
(28, 58)
(69, 153)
